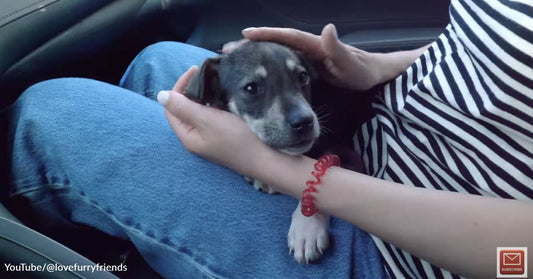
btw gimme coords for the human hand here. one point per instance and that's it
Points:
(337, 62)
(217, 135)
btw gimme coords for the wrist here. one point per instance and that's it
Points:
(321, 166)
(390, 65)
(284, 173)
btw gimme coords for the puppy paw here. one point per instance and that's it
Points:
(308, 236)
(260, 186)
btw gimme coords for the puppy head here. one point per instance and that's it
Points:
(268, 85)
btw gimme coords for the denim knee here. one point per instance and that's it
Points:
(168, 48)
(38, 102)
(159, 66)
(37, 114)
(161, 50)
(55, 92)
(44, 90)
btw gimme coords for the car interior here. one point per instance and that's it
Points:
(44, 39)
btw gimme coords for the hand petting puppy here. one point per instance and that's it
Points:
(337, 62)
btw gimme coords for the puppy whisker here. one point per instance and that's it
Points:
(325, 130)
(323, 118)
(322, 113)
(321, 109)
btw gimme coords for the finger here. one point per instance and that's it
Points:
(186, 133)
(187, 111)
(338, 55)
(299, 40)
(331, 44)
(230, 46)
(184, 80)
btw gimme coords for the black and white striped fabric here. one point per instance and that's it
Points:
(461, 117)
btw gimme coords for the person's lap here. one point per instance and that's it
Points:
(101, 155)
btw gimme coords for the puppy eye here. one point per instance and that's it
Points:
(252, 88)
(303, 77)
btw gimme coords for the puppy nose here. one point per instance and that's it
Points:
(300, 122)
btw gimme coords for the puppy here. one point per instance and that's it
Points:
(269, 86)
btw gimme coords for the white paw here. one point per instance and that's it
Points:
(308, 236)
(260, 186)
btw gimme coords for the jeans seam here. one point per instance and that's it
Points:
(204, 270)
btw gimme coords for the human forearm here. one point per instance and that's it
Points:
(459, 232)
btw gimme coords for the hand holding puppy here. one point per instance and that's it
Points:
(217, 135)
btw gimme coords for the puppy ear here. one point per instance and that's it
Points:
(204, 86)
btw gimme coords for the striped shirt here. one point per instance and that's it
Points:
(460, 118)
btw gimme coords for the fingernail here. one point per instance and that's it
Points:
(248, 30)
(334, 31)
(162, 97)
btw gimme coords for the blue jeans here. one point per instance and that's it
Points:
(91, 153)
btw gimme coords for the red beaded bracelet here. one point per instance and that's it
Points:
(321, 166)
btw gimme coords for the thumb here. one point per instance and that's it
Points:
(179, 106)
(331, 44)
